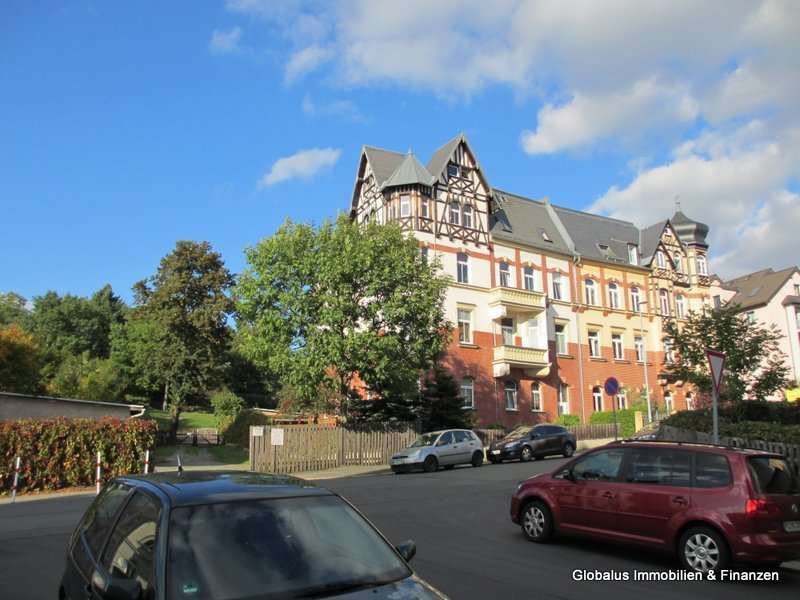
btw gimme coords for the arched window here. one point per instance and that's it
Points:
(468, 392)
(505, 275)
(678, 262)
(510, 391)
(591, 294)
(597, 398)
(636, 299)
(702, 266)
(613, 295)
(455, 212)
(680, 306)
(663, 296)
(462, 261)
(536, 396)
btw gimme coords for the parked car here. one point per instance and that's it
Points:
(526, 442)
(214, 535)
(709, 504)
(436, 449)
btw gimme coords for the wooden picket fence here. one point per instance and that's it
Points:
(318, 447)
(595, 431)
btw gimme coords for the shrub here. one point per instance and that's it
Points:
(625, 417)
(61, 452)
(768, 432)
(238, 432)
(568, 420)
(227, 407)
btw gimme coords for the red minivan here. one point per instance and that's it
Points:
(709, 504)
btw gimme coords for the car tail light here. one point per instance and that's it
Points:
(761, 507)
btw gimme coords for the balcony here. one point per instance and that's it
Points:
(505, 301)
(534, 361)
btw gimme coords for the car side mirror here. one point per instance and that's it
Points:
(115, 588)
(407, 550)
(567, 474)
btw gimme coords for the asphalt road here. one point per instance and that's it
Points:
(466, 544)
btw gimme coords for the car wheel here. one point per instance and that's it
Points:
(702, 549)
(525, 454)
(477, 458)
(537, 522)
(568, 450)
(431, 464)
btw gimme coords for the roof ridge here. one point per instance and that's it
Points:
(595, 215)
(367, 146)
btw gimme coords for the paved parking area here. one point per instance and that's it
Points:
(466, 544)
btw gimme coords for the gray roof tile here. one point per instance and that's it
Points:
(383, 162)
(409, 172)
(757, 289)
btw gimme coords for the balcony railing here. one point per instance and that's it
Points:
(518, 300)
(521, 355)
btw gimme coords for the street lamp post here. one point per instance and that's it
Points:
(644, 361)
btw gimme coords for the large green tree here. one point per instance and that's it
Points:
(754, 364)
(13, 309)
(19, 361)
(177, 334)
(339, 304)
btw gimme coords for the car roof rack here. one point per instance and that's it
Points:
(679, 443)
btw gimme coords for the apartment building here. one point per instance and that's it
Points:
(770, 298)
(546, 302)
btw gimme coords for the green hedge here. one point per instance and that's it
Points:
(626, 419)
(59, 453)
(568, 420)
(238, 432)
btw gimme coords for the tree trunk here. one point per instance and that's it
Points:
(175, 414)
(166, 397)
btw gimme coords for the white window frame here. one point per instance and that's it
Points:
(405, 205)
(466, 215)
(423, 207)
(455, 212)
(618, 349)
(663, 300)
(680, 306)
(507, 332)
(462, 267)
(636, 299)
(597, 398)
(529, 279)
(464, 317)
(563, 399)
(613, 295)
(702, 265)
(689, 400)
(590, 291)
(531, 332)
(512, 387)
(561, 348)
(536, 397)
(661, 259)
(555, 285)
(678, 262)
(505, 274)
(594, 344)
(468, 384)
(622, 400)
(638, 344)
(669, 403)
(633, 254)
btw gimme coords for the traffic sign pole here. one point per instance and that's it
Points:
(716, 363)
(611, 387)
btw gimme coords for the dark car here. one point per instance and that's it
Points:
(709, 504)
(526, 442)
(231, 535)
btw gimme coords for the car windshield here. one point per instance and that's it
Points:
(280, 548)
(519, 432)
(772, 475)
(426, 439)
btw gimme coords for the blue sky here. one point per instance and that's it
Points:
(126, 127)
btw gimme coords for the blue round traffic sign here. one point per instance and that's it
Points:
(611, 386)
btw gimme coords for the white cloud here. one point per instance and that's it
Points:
(343, 109)
(303, 164)
(306, 60)
(225, 41)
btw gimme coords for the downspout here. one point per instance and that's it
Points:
(576, 259)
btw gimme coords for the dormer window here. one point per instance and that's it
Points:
(633, 254)
(453, 170)
(546, 237)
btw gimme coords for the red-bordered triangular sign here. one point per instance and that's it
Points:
(716, 361)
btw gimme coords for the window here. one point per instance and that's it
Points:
(591, 295)
(613, 295)
(717, 302)
(661, 260)
(507, 331)
(751, 316)
(772, 475)
(464, 326)
(664, 300)
(797, 316)
(424, 208)
(423, 252)
(668, 402)
(510, 390)
(445, 439)
(622, 400)
(505, 275)
(468, 392)
(97, 525)
(638, 343)
(555, 278)
(532, 333)
(463, 267)
(680, 306)
(659, 467)
(702, 266)
(453, 170)
(711, 470)
(466, 215)
(536, 396)
(797, 289)
(455, 212)
(616, 346)
(405, 205)
(530, 283)
(633, 255)
(546, 237)
(594, 344)
(561, 338)
(636, 299)
(603, 465)
(129, 552)
(597, 399)
(563, 399)
(678, 262)
(689, 401)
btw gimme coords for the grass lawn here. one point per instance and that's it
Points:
(190, 455)
(189, 420)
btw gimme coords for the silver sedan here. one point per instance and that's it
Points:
(446, 448)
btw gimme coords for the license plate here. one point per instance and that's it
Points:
(791, 526)
(495, 451)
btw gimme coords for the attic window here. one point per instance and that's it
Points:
(603, 247)
(546, 237)
(754, 291)
(453, 170)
